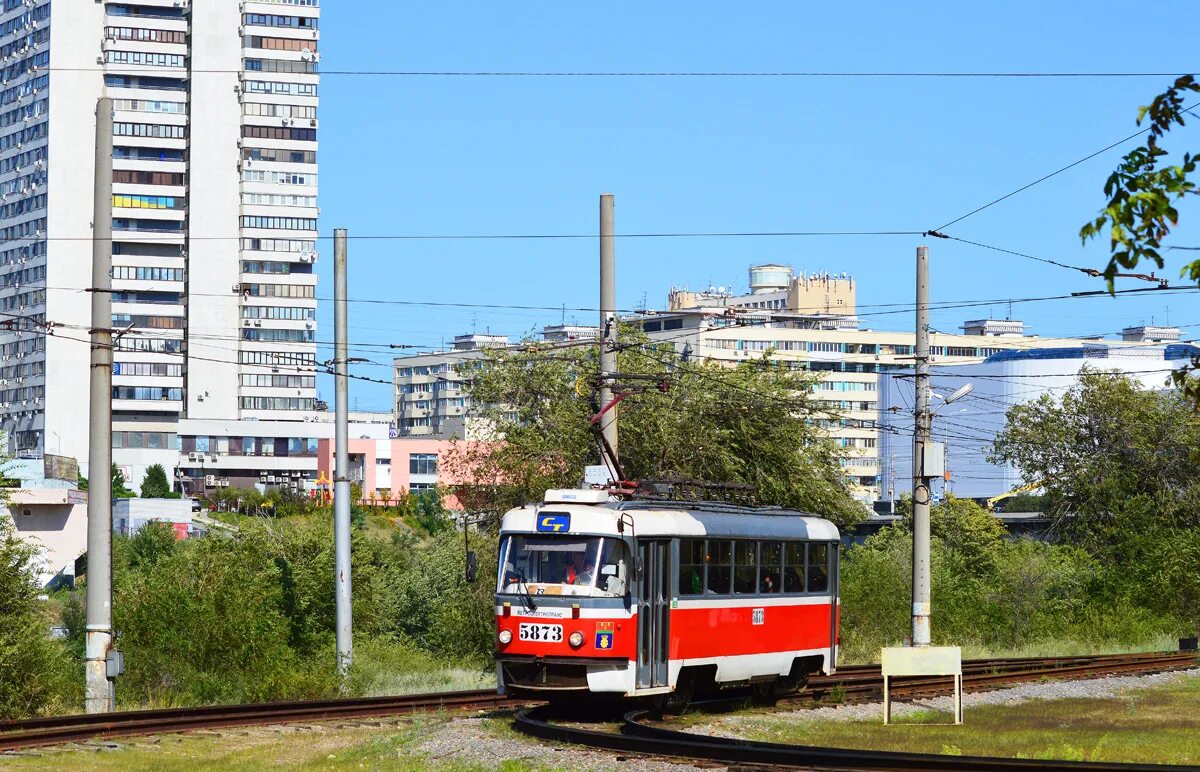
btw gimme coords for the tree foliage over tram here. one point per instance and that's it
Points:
(755, 423)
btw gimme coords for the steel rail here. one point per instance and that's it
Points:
(15, 735)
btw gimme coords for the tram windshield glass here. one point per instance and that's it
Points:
(563, 565)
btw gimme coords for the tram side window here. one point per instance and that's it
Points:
(691, 566)
(770, 565)
(745, 571)
(818, 567)
(720, 567)
(793, 567)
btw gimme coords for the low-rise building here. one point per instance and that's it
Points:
(130, 515)
(48, 512)
(384, 469)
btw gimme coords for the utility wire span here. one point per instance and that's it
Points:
(1089, 271)
(638, 73)
(158, 236)
(1054, 173)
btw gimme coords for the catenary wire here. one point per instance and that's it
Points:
(1054, 173)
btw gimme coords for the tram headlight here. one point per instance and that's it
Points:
(505, 637)
(576, 639)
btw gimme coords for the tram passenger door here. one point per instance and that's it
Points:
(654, 612)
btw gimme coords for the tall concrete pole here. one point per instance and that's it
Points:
(341, 473)
(920, 481)
(608, 318)
(99, 694)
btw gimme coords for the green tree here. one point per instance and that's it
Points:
(753, 424)
(119, 491)
(36, 674)
(1143, 193)
(155, 484)
(1113, 458)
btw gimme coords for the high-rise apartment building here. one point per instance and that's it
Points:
(214, 229)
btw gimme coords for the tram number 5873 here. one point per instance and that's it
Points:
(534, 632)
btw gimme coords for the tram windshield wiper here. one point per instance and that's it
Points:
(524, 594)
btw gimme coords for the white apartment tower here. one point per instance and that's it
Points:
(214, 224)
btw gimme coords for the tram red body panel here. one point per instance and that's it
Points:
(723, 631)
(623, 643)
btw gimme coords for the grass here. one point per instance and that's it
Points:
(1049, 648)
(1153, 725)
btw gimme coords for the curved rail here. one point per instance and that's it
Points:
(636, 736)
(37, 732)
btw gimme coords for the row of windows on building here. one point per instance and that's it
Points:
(24, 113)
(272, 110)
(278, 403)
(279, 155)
(24, 183)
(144, 273)
(24, 136)
(151, 369)
(22, 276)
(303, 67)
(280, 132)
(844, 386)
(142, 34)
(255, 380)
(282, 313)
(153, 130)
(23, 300)
(23, 253)
(274, 267)
(273, 199)
(25, 42)
(250, 446)
(736, 567)
(279, 178)
(28, 64)
(279, 223)
(278, 44)
(138, 177)
(145, 58)
(279, 245)
(278, 358)
(280, 87)
(26, 20)
(272, 20)
(280, 290)
(147, 393)
(126, 201)
(145, 440)
(16, 163)
(278, 336)
(32, 369)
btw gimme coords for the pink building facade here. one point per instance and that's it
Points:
(387, 468)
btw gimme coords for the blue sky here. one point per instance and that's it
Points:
(493, 155)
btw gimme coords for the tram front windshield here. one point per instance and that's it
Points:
(563, 565)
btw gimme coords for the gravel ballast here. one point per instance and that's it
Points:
(1092, 688)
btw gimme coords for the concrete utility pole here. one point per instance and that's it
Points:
(341, 474)
(920, 482)
(608, 319)
(100, 692)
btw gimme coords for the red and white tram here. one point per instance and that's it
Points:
(662, 599)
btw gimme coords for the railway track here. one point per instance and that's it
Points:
(638, 735)
(39, 732)
(854, 683)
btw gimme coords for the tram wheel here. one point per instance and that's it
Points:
(676, 701)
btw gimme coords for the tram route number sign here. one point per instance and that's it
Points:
(530, 631)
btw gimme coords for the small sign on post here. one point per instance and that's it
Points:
(922, 661)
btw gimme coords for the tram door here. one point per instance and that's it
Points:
(654, 612)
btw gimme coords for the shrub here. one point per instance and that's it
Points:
(36, 674)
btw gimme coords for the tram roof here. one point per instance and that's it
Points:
(669, 518)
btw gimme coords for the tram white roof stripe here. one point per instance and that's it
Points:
(602, 520)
